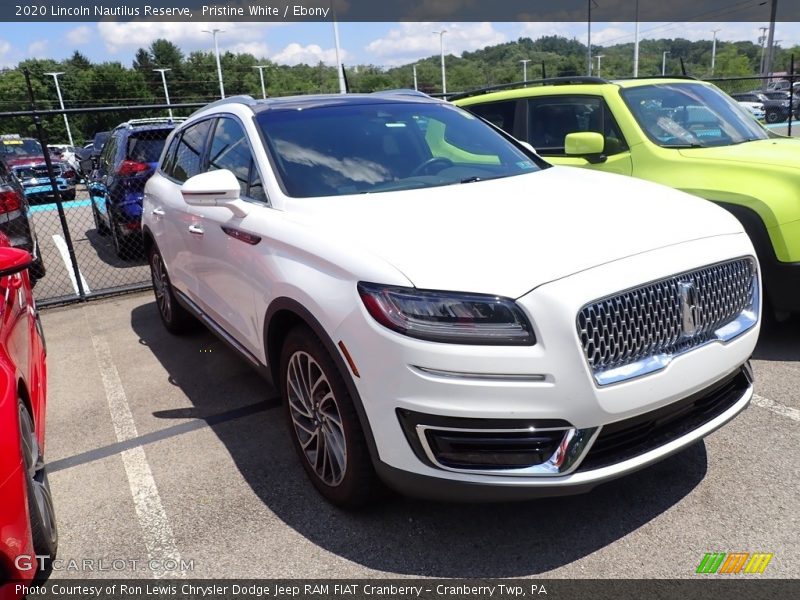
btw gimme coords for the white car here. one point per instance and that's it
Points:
(754, 108)
(441, 309)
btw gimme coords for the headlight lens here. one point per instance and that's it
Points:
(449, 317)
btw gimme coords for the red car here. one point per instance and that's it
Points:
(27, 522)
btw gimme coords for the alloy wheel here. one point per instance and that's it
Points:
(316, 418)
(161, 286)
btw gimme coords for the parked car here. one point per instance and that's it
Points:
(116, 184)
(16, 223)
(442, 310)
(784, 96)
(754, 108)
(27, 520)
(66, 154)
(32, 173)
(654, 129)
(776, 111)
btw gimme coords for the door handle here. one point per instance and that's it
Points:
(196, 230)
(159, 212)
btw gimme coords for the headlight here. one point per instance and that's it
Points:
(450, 317)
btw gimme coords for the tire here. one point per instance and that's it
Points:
(175, 317)
(44, 531)
(773, 116)
(37, 270)
(68, 195)
(101, 227)
(325, 431)
(116, 238)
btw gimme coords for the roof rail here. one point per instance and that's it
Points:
(687, 77)
(241, 99)
(401, 92)
(151, 121)
(572, 80)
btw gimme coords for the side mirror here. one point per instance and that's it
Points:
(215, 188)
(587, 144)
(13, 261)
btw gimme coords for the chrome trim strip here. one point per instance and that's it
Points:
(480, 376)
(566, 458)
(216, 329)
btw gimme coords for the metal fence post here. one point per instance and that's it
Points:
(37, 121)
(791, 96)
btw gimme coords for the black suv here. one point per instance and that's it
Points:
(15, 220)
(776, 111)
(116, 185)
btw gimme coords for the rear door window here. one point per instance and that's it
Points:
(189, 154)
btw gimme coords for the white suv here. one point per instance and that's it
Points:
(442, 310)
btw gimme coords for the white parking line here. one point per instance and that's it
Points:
(61, 245)
(153, 521)
(777, 408)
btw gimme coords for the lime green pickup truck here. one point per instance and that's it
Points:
(680, 132)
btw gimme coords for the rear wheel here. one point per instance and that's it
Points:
(323, 422)
(175, 318)
(99, 225)
(44, 531)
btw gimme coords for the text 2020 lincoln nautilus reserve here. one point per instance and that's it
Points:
(442, 310)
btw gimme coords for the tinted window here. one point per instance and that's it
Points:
(20, 147)
(256, 189)
(381, 147)
(551, 118)
(497, 113)
(189, 154)
(146, 146)
(229, 150)
(680, 115)
(169, 155)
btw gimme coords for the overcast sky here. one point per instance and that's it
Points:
(385, 44)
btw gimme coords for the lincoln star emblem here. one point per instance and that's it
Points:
(690, 314)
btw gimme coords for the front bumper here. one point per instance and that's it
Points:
(548, 386)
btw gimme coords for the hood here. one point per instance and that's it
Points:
(783, 152)
(32, 159)
(508, 236)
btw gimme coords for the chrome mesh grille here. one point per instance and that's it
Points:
(649, 320)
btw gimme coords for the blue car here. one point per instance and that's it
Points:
(36, 182)
(116, 185)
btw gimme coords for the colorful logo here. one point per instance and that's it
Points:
(734, 562)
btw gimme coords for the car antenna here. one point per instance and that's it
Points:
(346, 83)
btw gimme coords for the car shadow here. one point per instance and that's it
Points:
(780, 341)
(401, 535)
(104, 248)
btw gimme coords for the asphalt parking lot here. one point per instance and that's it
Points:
(171, 457)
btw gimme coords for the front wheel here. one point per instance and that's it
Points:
(773, 116)
(323, 422)
(44, 532)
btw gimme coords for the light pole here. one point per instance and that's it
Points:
(339, 67)
(414, 68)
(636, 44)
(61, 102)
(441, 51)
(589, 63)
(214, 33)
(261, 74)
(525, 62)
(761, 40)
(599, 57)
(770, 41)
(664, 62)
(714, 50)
(166, 91)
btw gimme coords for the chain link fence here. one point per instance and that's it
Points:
(77, 206)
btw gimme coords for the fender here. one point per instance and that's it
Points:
(303, 314)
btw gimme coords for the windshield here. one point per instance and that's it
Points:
(688, 115)
(372, 147)
(21, 147)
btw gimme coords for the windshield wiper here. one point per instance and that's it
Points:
(474, 178)
(683, 146)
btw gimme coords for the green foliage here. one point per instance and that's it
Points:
(193, 77)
